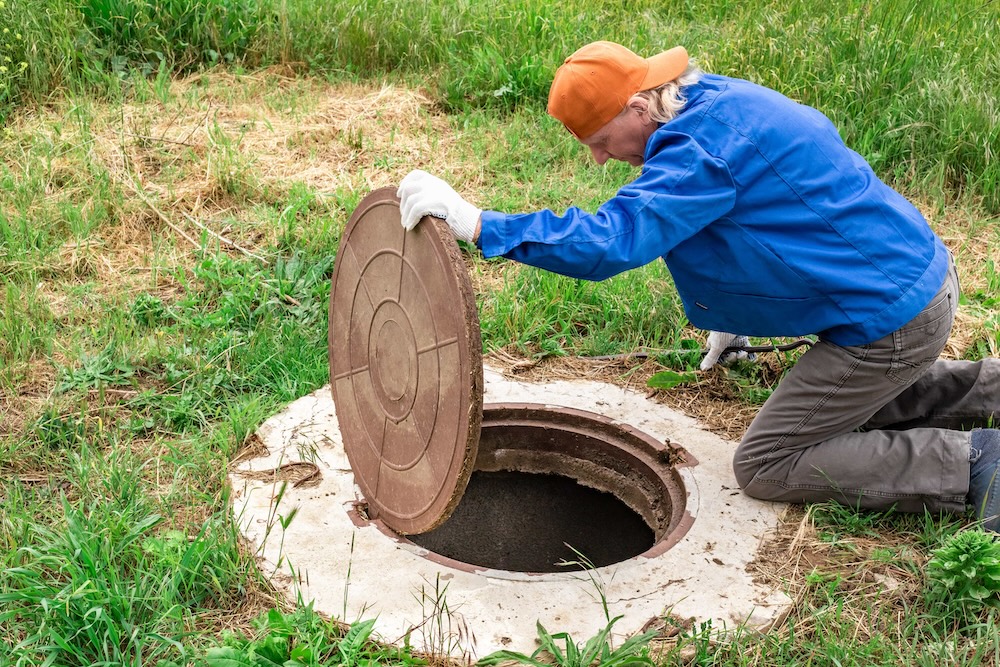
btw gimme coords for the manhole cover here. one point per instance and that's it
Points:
(405, 364)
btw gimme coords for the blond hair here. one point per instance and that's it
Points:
(666, 101)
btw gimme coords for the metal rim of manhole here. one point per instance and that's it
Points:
(406, 368)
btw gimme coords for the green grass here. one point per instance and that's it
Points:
(911, 84)
(140, 351)
(101, 584)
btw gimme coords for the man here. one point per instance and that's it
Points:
(771, 226)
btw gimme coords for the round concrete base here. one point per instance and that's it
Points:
(354, 569)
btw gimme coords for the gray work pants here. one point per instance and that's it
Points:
(874, 426)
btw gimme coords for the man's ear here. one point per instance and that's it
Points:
(640, 105)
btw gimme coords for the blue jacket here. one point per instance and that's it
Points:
(769, 224)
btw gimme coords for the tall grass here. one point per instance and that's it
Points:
(913, 84)
(180, 33)
(105, 584)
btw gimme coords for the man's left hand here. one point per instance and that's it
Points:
(718, 342)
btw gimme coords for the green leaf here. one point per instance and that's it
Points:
(547, 643)
(227, 657)
(626, 655)
(277, 621)
(354, 641)
(498, 657)
(594, 645)
(271, 651)
(669, 379)
(979, 592)
(301, 654)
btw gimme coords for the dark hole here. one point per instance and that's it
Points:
(523, 522)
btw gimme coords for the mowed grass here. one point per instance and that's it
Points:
(167, 238)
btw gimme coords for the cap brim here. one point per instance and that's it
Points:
(665, 67)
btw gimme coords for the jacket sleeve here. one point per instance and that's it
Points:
(680, 190)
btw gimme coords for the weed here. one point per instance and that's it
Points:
(82, 593)
(96, 370)
(670, 379)
(94, 580)
(554, 315)
(304, 638)
(150, 311)
(595, 652)
(59, 431)
(233, 170)
(687, 356)
(824, 581)
(443, 629)
(963, 576)
(834, 521)
(908, 82)
(26, 329)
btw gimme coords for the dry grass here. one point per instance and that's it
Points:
(164, 161)
(177, 164)
(342, 138)
(797, 550)
(712, 399)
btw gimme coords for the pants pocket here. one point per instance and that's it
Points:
(917, 344)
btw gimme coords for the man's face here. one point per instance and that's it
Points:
(623, 138)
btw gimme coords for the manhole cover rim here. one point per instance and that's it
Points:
(680, 474)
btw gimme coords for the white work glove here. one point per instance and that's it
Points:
(718, 341)
(421, 194)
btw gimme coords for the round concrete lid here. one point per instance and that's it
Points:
(406, 365)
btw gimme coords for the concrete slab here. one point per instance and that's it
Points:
(312, 541)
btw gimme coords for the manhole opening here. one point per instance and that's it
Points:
(554, 488)
(537, 523)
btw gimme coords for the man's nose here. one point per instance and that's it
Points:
(600, 156)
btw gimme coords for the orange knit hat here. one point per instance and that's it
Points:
(594, 84)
